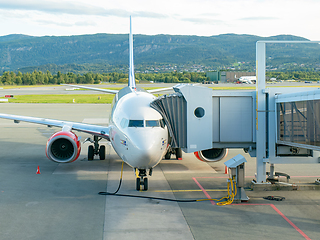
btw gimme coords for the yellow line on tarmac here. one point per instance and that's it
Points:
(196, 190)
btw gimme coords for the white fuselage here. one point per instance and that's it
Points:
(248, 79)
(137, 131)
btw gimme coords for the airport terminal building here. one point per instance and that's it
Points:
(225, 76)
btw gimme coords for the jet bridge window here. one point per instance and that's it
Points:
(299, 122)
(136, 123)
(152, 123)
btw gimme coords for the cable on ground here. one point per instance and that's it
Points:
(230, 197)
(276, 198)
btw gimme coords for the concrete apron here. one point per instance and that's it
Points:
(136, 218)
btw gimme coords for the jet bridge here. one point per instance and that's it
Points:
(200, 119)
(275, 125)
(293, 134)
(298, 119)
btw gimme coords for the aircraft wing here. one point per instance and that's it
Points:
(101, 131)
(167, 89)
(94, 89)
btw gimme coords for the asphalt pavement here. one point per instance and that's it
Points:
(63, 201)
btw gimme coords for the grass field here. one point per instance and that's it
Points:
(26, 86)
(63, 98)
(101, 98)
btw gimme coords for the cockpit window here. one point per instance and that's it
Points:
(124, 122)
(135, 123)
(152, 123)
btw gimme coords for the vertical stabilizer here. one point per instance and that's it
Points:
(132, 81)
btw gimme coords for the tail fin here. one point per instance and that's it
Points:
(132, 81)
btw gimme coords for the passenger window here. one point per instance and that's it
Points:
(135, 123)
(152, 123)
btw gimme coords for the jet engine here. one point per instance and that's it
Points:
(211, 155)
(63, 147)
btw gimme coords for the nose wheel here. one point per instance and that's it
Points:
(142, 180)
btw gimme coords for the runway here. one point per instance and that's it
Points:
(40, 90)
(63, 201)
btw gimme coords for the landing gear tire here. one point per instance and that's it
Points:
(178, 153)
(145, 184)
(138, 184)
(102, 153)
(95, 149)
(168, 154)
(142, 180)
(90, 153)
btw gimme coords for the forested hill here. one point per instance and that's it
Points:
(21, 51)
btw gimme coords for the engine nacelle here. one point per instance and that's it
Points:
(212, 155)
(63, 147)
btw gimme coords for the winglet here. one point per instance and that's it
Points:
(132, 81)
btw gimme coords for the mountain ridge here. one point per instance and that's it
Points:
(18, 51)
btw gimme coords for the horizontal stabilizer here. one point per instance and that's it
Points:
(94, 89)
(159, 90)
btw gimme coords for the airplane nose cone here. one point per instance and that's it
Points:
(148, 148)
(146, 143)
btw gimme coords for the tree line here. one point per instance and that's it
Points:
(45, 78)
(295, 75)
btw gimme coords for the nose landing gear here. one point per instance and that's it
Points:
(142, 179)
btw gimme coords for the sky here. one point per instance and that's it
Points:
(176, 17)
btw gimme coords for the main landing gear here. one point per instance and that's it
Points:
(95, 150)
(142, 179)
(175, 151)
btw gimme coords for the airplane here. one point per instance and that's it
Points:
(248, 79)
(137, 132)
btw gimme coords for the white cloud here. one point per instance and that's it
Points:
(258, 18)
(73, 8)
(187, 17)
(59, 8)
(203, 21)
(67, 24)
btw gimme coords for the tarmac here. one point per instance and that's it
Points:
(63, 201)
(71, 90)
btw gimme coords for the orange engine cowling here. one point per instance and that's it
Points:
(212, 155)
(63, 147)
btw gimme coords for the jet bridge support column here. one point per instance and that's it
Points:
(261, 111)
